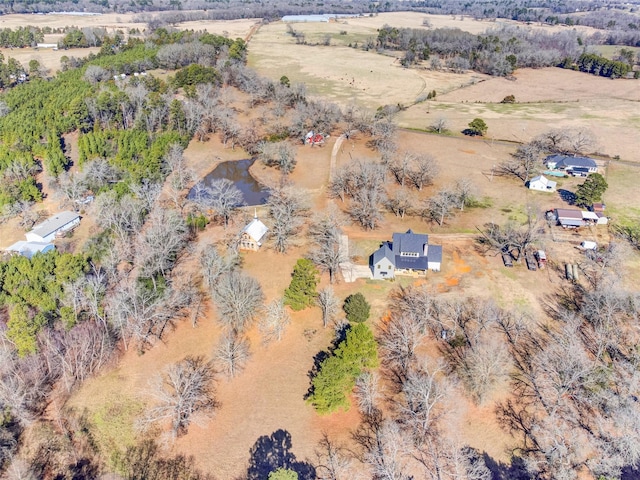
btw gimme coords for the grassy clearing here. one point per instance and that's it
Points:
(114, 424)
(611, 51)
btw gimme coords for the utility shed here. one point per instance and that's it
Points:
(46, 231)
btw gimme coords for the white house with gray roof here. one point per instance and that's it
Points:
(407, 254)
(60, 223)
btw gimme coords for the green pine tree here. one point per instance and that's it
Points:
(302, 289)
(337, 374)
(591, 190)
(357, 308)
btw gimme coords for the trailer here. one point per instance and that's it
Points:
(506, 259)
(531, 262)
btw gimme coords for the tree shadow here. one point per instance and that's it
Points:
(630, 473)
(567, 196)
(515, 470)
(270, 453)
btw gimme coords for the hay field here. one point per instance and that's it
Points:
(547, 98)
(464, 23)
(341, 74)
(228, 28)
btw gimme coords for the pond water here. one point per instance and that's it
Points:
(253, 192)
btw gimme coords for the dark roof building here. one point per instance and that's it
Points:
(408, 253)
(566, 162)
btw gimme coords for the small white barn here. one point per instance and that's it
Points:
(46, 231)
(251, 236)
(29, 249)
(542, 184)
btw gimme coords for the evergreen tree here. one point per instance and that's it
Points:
(478, 127)
(337, 374)
(357, 308)
(283, 474)
(591, 190)
(302, 289)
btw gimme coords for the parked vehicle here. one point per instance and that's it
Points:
(531, 261)
(506, 259)
(541, 257)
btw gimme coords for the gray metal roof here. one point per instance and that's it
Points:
(55, 223)
(383, 252)
(435, 253)
(566, 161)
(409, 242)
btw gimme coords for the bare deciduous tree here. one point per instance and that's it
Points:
(286, 207)
(440, 206)
(439, 125)
(326, 233)
(232, 353)
(274, 321)
(523, 163)
(184, 392)
(334, 461)
(512, 236)
(400, 202)
(214, 265)
(222, 196)
(158, 246)
(367, 392)
(422, 171)
(239, 299)
(328, 303)
(280, 154)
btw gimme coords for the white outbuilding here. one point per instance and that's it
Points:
(29, 249)
(542, 184)
(46, 231)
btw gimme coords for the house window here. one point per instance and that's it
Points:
(378, 267)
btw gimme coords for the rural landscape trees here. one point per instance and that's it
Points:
(148, 319)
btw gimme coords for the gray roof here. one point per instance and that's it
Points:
(435, 253)
(29, 249)
(383, 252)
(568, 161)
(55, 223)
(409, 242)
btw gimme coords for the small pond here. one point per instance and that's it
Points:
(238, 172)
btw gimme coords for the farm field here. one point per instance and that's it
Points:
(546, 98)
(262, 413)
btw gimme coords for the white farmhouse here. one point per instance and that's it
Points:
(542, 184)
(46, 231)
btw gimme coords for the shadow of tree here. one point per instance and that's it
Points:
(502, 471)
(630, 473)
(272, 452)
(567, 196)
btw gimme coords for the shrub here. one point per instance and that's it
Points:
(357, 308)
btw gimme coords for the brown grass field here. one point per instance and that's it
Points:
(269, 394)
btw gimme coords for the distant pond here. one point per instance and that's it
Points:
(253, 192)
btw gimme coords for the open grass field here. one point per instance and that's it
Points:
(547, 98)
